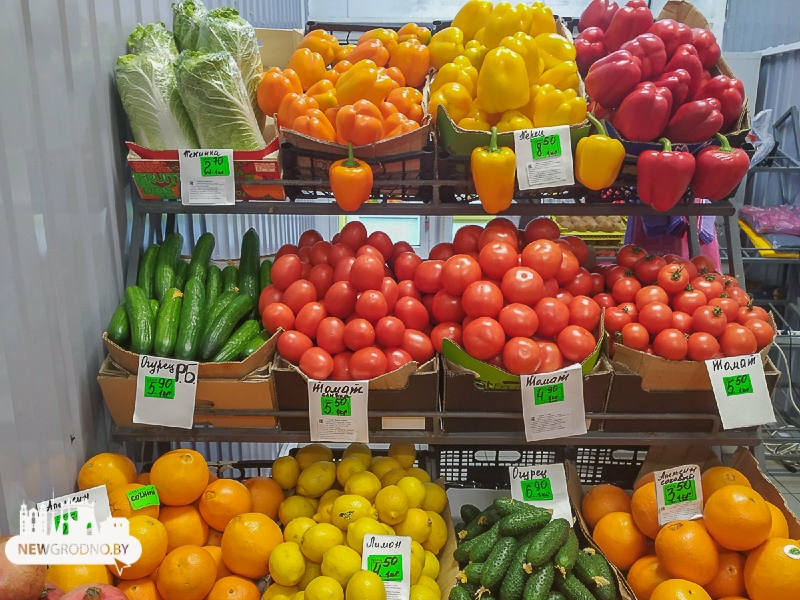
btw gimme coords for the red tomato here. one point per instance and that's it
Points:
(671, 344)
(367, 273)
(277, 315)
(320, 253)
(738, 340)
(398, 249)
(635, 336)
(316, 363)
(625, 289)
(605, 300)
(656, 317)
(522, 356)
(742, 297)
(687, 265)
(358, 334)
(300, 293)
(522, 284)
(614, 274)
(309, 318)
(340, 299)
(585, 312)
(579, 248)
(447, 307)
(292, 344)
(482, 299)
(337, 253)
(710, 319)
(598, 284)
(484, 338)
(466, 238)
(407, 288)
(630, 308)
(382, 242)
(568, 270)
(762, 331)
(372, 251)
(746, 313)
(671, 258)
(648, 268)
(549, 288)
(689, 301)
(564, 296)
(269, 295)
(307, 268)
(309, 238)
(682, 321)
(518, 320)
(581, 284)
(450, 331)
(411, 312)
(321, 277)
(367, 363)
(330, 335)
(728, 305)
(406, 265)
(553, 316)
(575, 343)
(673, 278)
(616, 319)
(389, 332)
(285, 271)
(498, 234)
(304, 254)
(544, 257)
(390, 291)
(441, 251)
(497, 258)
(343, 269)
(629, 255)
(396, 358)
(541, 228)
(702, 346)
(552, 359)
(286, 249)
(458, 272)
(708, 285)
(703, 263)
(428, 276)
(372, 306)
(650, 293)
(353, 234)
(418, 345)
(341, 366)
(335, 238)
(502, 222)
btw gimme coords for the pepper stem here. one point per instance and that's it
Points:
(601, 130)
(350, 162)
(666, 143)
(493, 141)
(724, 144)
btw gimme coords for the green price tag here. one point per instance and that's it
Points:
(334, 406)
(546, 394)
(389, 567)
(159, 387)
(534, 490)
(143, 497)
(215, 166)
(680, 491)
(736, 385)
(548, 146)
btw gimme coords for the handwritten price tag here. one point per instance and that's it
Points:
(159, 387)
(544, 157)
(387, 567)
(215, 166)
(338, 411)
(537, 490)
(389, 557)
(165, 392)
(542, 485)
(206, 177)
(740, 389)
(679, 495)
(552, 404)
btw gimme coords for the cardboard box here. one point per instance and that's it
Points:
(256, 391)
(409, 389)
(277, 46)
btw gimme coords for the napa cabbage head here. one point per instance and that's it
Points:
(154, 39)
(186, 16)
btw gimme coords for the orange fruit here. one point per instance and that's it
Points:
(644, 509)
(604, 499)
(185, 526)
(679, 589)
(780, 526)
(772, 571)
(152, 534)
(143, 478)
(121, 506)
(729, 580)
(733, 598)
(716, 478)
(267, 495)
(222, 500)
(687, 552)
(216, 554)
(214, 537)
(187, 573)
(644, 479)
(234, 588)
(109, 469)
(180, 477)
(139, 589)
(737, 517)
(645, 574)
(68, 577)
(248, 542)
(620, 539)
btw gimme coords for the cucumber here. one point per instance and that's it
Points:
(265, 278)
(585, 568)
(154, 306)
(169, 316)
(191, 323)
(548, 541)
(215, 309)
(249, 266)
(461, 553)
(524, 520)
(469, 512)
(220, 330)
(147, 270)
(237, 341)
(495, 567)
(119, 330)
(573, 589)
(604, 586)
(459, 592)
(539, 583)
(213, 285)
(472, 573)
(182, 274)
(553, 595)
(230, 278)
(527, 538)
(165, 279)
(140, 315)
(484, 544)
(170, 250)
(517, 574)
(474, 528)
(254, 344)
(198, 267)
(506, 506)
(568, 554)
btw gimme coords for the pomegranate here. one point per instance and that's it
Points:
(95, 591)
(51, 592)
(19, 582)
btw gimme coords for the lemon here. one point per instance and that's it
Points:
(435, 498)
(417, 525)
(349, 508)
(314, 502)
(330, 496)
(323, 514)
(308, 455)
(296, 528)
(422, 592)
(381, 465)
(438, 536)
(361, 527)
(287, 565)
(431, 568)
(295, 507)
(325, 588)
(428, 582)
(341, 563)
(319, 539)
(414, 490)
(392, 477)
(364, 484)
(279, 592)
(299, 596)
(313, 570)
(347, 467)
(392, 505)
(359, 451)
(389, 529)
(405, 454)
(316, 479)
(366, 585)
(417, 561)
(420, 474)
(285, 471)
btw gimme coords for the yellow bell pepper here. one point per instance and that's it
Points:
(472, 16)
(414, 31)
(553, 107)
(309, 66)
(494, 171)
(598, 158)
(342, 52)
(454, 97)
(526, 47)
(554, 49)
(476, 120)
(461, 71)
(324, 93)
(526, 16)
(512, 120)
(491, 118)
(322, 42)
(387, 36)
(475, 52)
(503, 81)
(505, 20)
(363, 81)
(562, 77)
(542, 20)
(479, 35)
(445, 46)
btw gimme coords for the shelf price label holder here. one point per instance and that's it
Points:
(544, 157)
(679, 495)
(740, 389)
(544, 486)
(166, 389)
(207, 177)
(337, 411)
(552, 404)
(390, 557)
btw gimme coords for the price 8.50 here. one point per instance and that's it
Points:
(537, 490)
(548, 146)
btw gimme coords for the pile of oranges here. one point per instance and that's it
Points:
(739, 550)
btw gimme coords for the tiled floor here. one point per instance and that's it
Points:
(787, 483)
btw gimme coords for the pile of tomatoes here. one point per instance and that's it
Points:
(677, 308)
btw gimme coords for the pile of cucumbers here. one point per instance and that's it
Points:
(193, 310)
(516, 551)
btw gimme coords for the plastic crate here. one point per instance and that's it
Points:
(487, 467)
(619, 466)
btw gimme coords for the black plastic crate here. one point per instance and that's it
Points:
(487, 467)
(348, 33)
(619, 466)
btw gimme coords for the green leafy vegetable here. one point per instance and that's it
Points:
(186, 16)
(153, 39)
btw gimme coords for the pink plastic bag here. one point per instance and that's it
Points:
(670, 244)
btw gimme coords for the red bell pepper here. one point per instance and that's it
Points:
(719, 170)
(676, 82)
(729, 92)
(598, 14)
(629, 21)
(663, 177)
(589, 48)
(612, 78)
(672, 33)
(695, 121)
(704, 79)
(685, 57)
(600, 112)
(649, 49)
(708, 49)
(644, 113)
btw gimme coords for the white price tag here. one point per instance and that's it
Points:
(740, 389)
(165, 392)
(337, 411)
(96, 497)
(544, 157)
(207, 177)
(679, 495)
(552, 404)
(390, 557)
(544, 486)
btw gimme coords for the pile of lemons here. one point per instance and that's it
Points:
(335, 504)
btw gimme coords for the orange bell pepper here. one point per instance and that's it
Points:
(315, 124)
(331, 113)
(387, 109)
(274, 85)
(414, 31)
(446, 45)
(342, 66)
(322, 42)
(398, 124)
(363, 81)
(351, 181)
(324, 93)
(413, 58)
(360, 123)
(309, 66)
(397, 76)
(342, 52)
(331, 75)
(370, 49)
(408, 101)
(293, 106)
(387, 36)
